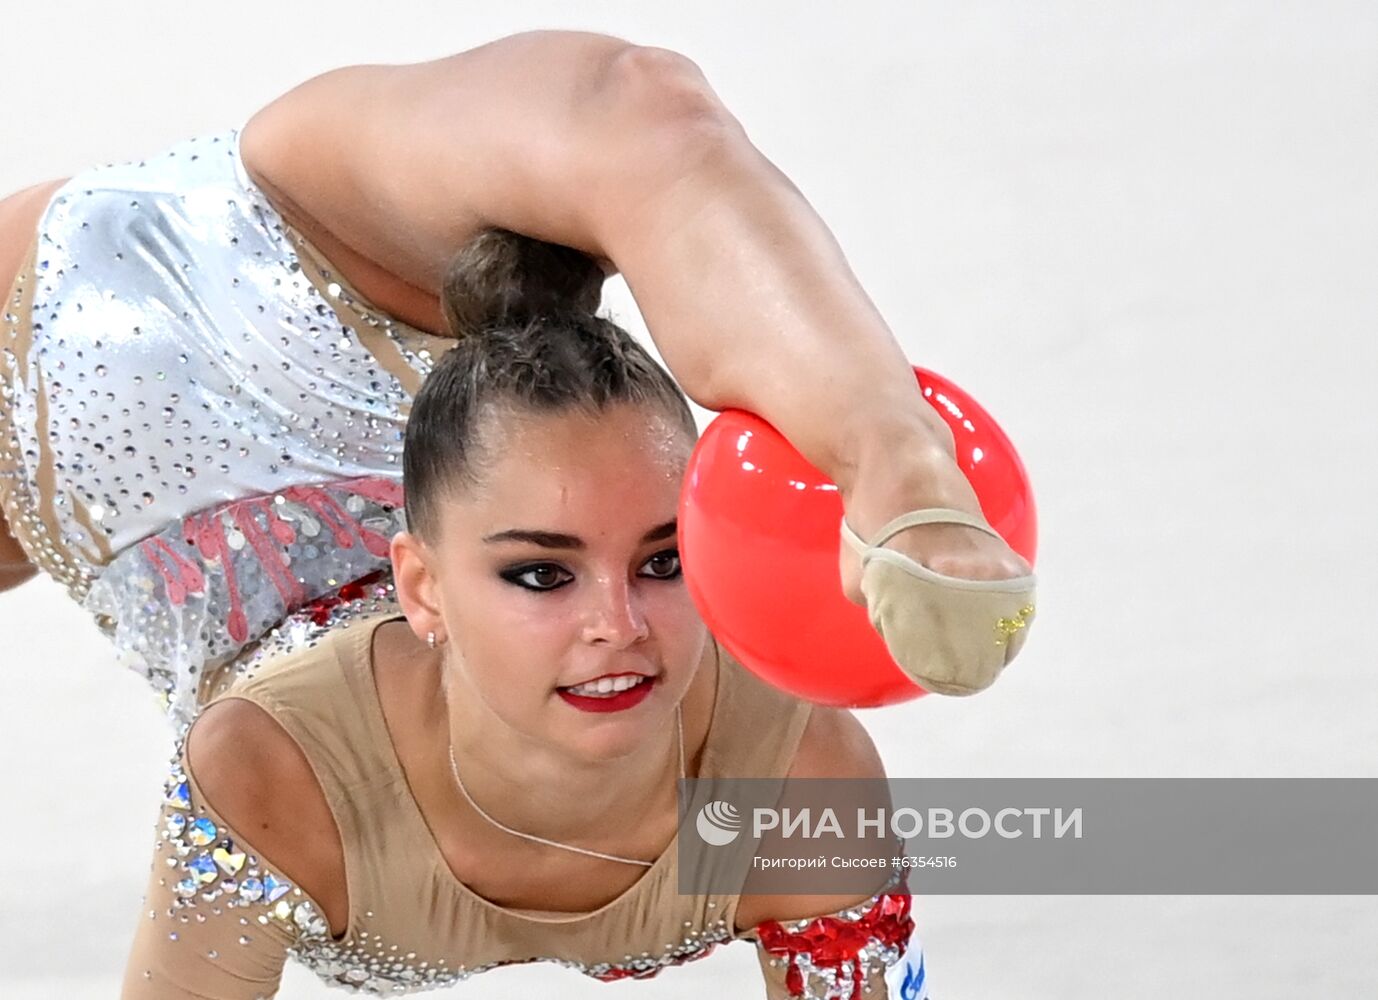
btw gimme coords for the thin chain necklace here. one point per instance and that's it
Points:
(454, 769)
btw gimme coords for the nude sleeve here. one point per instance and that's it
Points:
(218, 918)
(873, 946)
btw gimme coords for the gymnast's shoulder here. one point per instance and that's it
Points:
(834, 744)
(255, 776)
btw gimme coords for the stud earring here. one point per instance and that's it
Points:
(430, 639)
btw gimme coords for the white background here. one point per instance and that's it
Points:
(1145, 237)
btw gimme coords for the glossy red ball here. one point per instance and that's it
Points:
(759, 536)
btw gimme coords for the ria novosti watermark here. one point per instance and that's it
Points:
(1035, 835)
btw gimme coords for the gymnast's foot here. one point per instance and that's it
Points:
(883, 491)
(952, 601)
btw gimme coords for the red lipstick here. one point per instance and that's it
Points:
(619, 702)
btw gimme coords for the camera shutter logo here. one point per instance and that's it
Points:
(719, 823)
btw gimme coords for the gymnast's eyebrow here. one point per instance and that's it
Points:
(557, 540)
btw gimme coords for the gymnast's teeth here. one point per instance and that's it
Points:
(605, 686)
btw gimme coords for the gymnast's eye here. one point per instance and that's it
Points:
(544, 576)
(540, 574)
(668, 563)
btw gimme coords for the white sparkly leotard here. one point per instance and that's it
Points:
(221, 919)
(200, 425)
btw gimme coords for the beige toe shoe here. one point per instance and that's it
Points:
(951, 635)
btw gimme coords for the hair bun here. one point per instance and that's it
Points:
(503, 277)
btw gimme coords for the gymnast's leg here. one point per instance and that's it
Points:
(753, 305)
(626, 152)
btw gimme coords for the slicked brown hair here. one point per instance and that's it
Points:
(528, 341)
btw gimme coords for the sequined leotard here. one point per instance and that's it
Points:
(220, 920)
(180, 373)
(200, 436)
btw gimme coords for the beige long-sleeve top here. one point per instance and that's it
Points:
(219, 919)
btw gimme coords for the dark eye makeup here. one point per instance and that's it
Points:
(517, 575)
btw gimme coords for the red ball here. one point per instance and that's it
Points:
(759, 536)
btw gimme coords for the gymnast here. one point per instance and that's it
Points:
(209, 360)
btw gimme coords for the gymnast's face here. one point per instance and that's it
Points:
(523, 615)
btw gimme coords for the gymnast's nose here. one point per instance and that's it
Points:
(616, 615)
